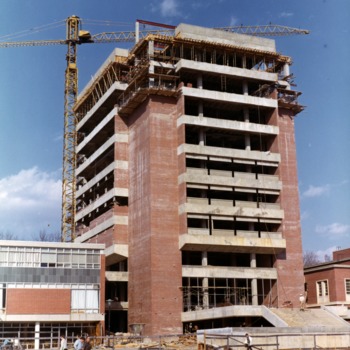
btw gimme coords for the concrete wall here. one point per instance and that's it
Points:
(267, 338)
(219, 36)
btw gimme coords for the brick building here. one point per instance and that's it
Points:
(328, 284)
(48, 289)
(187, 172)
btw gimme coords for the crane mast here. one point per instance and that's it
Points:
(69, 135)
(76, 37)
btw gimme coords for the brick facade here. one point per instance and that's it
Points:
(38, 301)
(289, 263)
(154, 262)
(334, 273)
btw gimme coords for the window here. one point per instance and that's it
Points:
(2, 296)
(49, 257)
(85, 299)
(347, 289)
(322, 291)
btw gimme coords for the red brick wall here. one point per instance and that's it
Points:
(341, 254)
(38, 301)
(336, 283)
(121, 176)
(289, 264)
(102, 288)
(182, 166)
(312, 278)
(340, 274)
(154, 257)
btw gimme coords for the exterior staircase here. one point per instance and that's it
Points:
(310, 318)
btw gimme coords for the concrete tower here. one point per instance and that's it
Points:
(187, 172)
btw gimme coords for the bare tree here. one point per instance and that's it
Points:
(9, 236)
(327, 258)
(310, 258)
(44, 236)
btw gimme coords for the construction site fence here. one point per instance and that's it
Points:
(203, 340)
(118, 341)
(277, 341)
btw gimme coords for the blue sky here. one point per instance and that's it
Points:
(32, 91)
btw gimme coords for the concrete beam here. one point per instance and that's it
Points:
(55, 245)
(230, 243)
(218, 96)
(239, 211)
(117, 276)
(116, 253)
(117, 164)
(96, 129)
(118, 137)
(229, 153)
(212, 180)
(224, 124)
(114, 220)
(224, 38)
(93, 317)
(248, 74)
(114, 192)
(117, 86)
(228, 272)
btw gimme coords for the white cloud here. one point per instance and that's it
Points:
(316, 191)
(286, 14)
(322, 254)
(58, 138)
(304, 215)
(233, 21)
(30, 201)
(334, 231)
(167, 8)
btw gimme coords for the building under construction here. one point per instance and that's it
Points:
(187, 172)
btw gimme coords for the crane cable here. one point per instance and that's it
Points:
(105, 22)
(38, 29)
(57, 24)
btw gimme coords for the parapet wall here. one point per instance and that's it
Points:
(225, 38)
(272, 338)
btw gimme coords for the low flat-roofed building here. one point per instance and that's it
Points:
(328, 284)
(50, 288)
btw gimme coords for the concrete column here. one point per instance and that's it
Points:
(201, 137)
(137, 32)
(254, 283)
(205, 282)
(286, 72)
(245, 87)
(200, 109)
(199, 81)
(151, 66)
(247, 142)
(246, 136)
(37, 336)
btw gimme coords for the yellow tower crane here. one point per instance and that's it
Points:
(75, 36)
